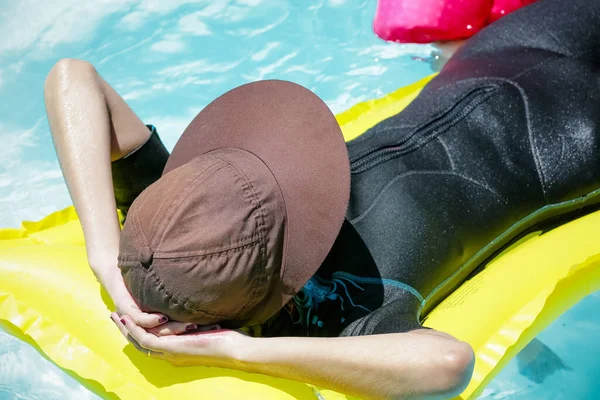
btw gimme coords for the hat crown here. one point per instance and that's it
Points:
(215, 228)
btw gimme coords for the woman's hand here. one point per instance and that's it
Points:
(125, 304)
(111, 279)
(210, 345)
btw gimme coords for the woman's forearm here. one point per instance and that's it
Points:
(80, 126)
(83, 132)
(391, 366)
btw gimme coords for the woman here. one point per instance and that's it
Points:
(250, 222)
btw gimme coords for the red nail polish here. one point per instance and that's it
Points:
(162, 320)
(123, 321)
(191, 328)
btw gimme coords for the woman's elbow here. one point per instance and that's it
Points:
(446, 373)
(458, 363)
(64, 73)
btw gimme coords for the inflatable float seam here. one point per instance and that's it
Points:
(580, 200)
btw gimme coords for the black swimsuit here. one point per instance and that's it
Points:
(509, 127)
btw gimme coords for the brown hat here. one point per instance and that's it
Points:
(250, 203)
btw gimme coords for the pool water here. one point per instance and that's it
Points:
(24, 374)
(169, 59)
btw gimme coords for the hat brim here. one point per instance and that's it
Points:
(296, 135)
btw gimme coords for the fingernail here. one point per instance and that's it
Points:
(191, 327)
(123, 321)
(162, 320)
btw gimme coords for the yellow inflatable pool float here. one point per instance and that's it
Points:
(50, 299)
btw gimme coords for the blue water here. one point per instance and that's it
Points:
(169, 59)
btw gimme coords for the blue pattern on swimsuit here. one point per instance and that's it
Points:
(318, 289)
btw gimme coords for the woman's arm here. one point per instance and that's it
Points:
(421, 364)
(91, 126)
(417, 364)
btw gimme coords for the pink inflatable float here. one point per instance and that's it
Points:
(426, 21)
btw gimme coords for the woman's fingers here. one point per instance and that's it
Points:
(116, 319)
(139, 337)
(179, 328)
(145, 320)
(149, 320)
(126, 305)
(173, 328)
(193, 349)
(120, 321)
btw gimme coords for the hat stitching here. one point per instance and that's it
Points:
(135, 227)
(211, 255)
(189, 187)
(139, 202)
(231, 245)
(134, 259)
(180, 301)
(208, 252)
(286, 230)
(183, 300)
(135, 223)
(189, 305)
(248, 187)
